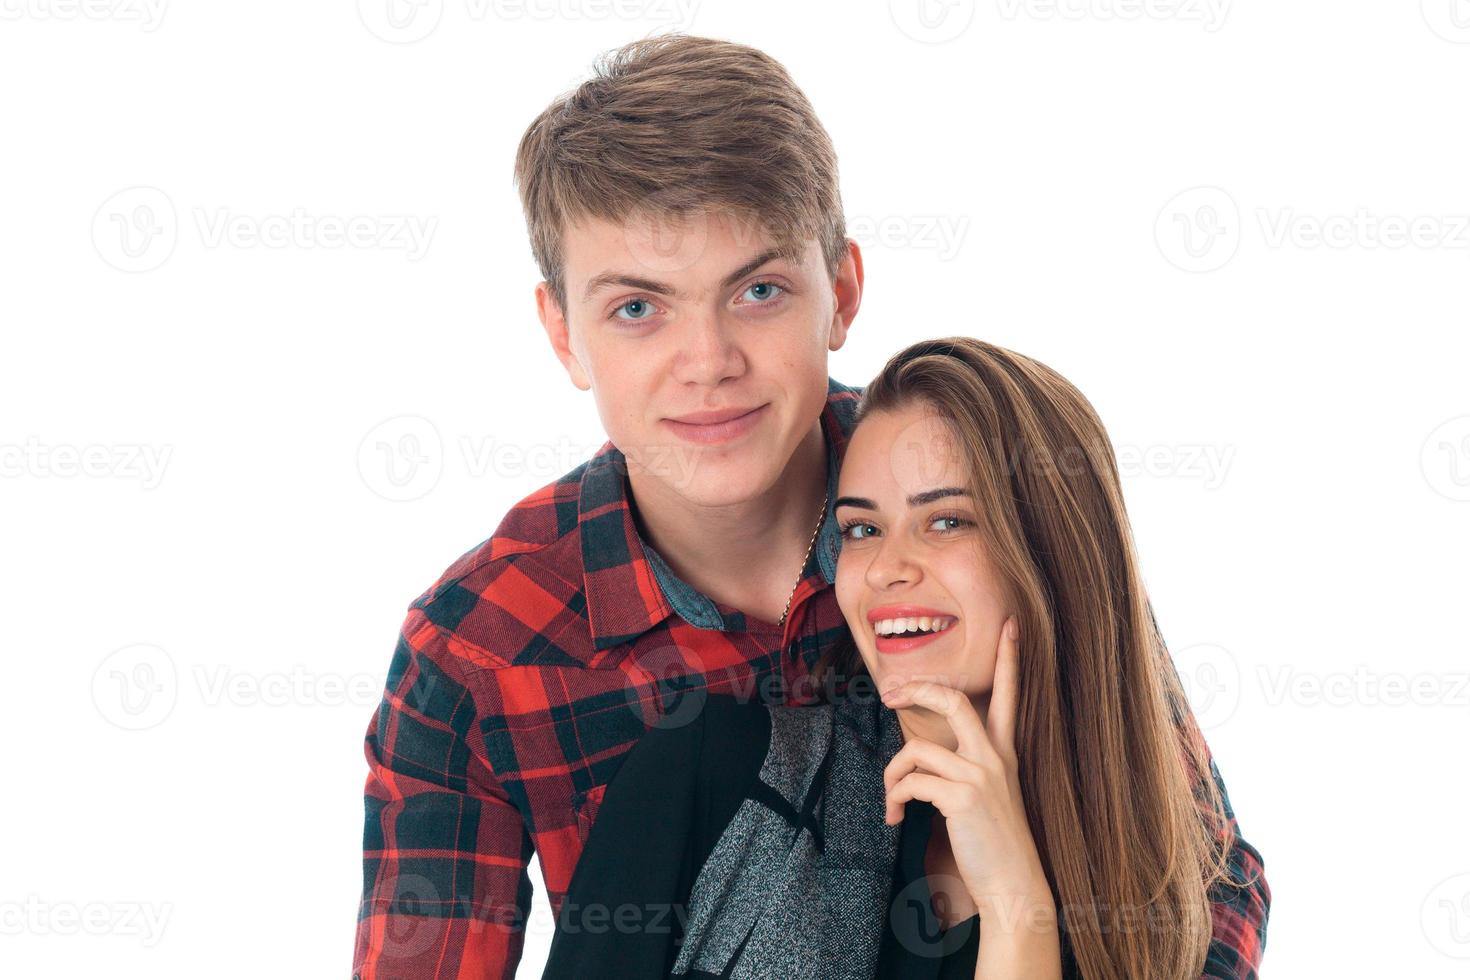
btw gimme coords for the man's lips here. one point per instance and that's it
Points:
(722, 425)
(714, 416)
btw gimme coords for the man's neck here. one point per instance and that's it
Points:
(746, 555)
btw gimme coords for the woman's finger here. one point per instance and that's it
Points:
(922, 755)
(955, 707)
(1005, 690)
(949, 797)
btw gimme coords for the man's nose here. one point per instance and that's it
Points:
(709, 351)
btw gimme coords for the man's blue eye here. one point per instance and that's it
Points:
(763, 291)
(638, 307)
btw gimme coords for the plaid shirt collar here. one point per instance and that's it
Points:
(610, 539)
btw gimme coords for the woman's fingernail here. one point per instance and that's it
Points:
(1012, 630)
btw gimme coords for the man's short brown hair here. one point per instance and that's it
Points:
(676, 124)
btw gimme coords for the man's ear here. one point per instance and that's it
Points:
(554, 322)
(847, 289)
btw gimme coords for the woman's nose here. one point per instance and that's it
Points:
(891, 566)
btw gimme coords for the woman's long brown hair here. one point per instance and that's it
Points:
(1127, 818)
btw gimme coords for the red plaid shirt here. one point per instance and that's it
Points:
(523, 677)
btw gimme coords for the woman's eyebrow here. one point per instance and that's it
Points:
(916, 500)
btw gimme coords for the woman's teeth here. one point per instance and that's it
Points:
(913, 624)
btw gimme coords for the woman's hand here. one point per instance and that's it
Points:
(975, 786)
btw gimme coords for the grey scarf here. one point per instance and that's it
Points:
(798, 885)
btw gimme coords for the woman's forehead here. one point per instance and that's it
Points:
(896, 455)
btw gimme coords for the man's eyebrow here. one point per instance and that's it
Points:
(654, 286)
(917, 500)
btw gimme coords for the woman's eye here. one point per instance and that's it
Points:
(959, 522)
(639, 309)
(760, 292)
(857, 526)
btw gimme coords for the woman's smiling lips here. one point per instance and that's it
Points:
(708, 428)
(895, 620)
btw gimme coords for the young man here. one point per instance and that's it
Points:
(683, 207)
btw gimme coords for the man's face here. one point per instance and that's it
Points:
(676, 325)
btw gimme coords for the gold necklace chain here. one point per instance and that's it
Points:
(821, 519)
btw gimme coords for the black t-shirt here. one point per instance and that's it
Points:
(660, 818)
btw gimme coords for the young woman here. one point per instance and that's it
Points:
(1033, 772)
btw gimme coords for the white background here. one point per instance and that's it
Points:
(1240, 228)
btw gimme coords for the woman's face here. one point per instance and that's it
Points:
(911, 549)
